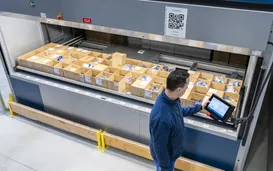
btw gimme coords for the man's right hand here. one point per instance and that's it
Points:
(205, 102)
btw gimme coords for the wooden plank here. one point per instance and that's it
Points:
(110, 140)
(55, 121)
(144, 151)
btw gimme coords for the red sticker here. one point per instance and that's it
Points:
(87, 20)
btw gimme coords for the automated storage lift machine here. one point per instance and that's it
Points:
(25, 27)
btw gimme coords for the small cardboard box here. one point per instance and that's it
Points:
(206, 76)
(159, 81)
(218, 86)
(90, 76)
(116, 83)
(111, 70)
(47, 66)
(220, 57)
(58, 69)
(24, 60)
(235, 82)
(61, 47)
(214, 91)
(78, 50)
(100, 67)
(132, 62)
(102, 79)
(118, 59)
(130, 78)
(95, 54)
(42, 64)
(139, 69)
(152, 94)
(146, 65)
(232, 98)
(72, 54)
(85, 52)
(97, 60)
(69, 61)
(87, 59)
(74, 72)
(184, 98)
(105, 56)
(138, 87)
(121, 72)
(194, 98)
(192, 81)
(163, 74)
(152, 72)
(194, 74)
(50, 45)
(232, 89)
(202, 89)
(107, 62)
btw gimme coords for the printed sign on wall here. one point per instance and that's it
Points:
(175, 22)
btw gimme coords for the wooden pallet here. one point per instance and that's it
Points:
(110, 140)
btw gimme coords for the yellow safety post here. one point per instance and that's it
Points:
(101, 143)
(11, 99)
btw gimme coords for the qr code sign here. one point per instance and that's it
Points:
(175, 22)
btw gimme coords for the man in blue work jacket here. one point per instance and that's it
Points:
(166, 121)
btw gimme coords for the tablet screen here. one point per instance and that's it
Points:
(218, 107)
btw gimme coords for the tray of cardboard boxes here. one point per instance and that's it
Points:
(119, 73)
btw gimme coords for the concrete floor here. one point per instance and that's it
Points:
(28, 146)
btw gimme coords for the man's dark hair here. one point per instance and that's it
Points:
(176, 79)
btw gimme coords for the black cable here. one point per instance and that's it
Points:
(250, 115)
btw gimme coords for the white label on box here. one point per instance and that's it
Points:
(79, 50)
(148, 93)
(85, 51)
(116, 84)
(51, 49)
(87, 79)
(141, 52)
(43, 15)
(57, 71)
(98, 81)
(175, 22)
(138, 68)
(212, 90)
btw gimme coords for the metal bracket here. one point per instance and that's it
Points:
(101, 143)
(11, 99)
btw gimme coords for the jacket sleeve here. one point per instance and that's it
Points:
(190, 110)
(160, 132)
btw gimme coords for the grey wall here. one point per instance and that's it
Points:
(218, 25)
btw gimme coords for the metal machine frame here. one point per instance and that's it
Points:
(135, 109)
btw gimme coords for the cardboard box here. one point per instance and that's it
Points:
(232, 89)
(152, 94)
(74, 72)
(100, 67)
(238, 60)
(202, 89)
(232, 98)
(90, 76)
(218, 86)
(159, 81)
(69, 61)
(111, 70)
(139, 69)
(47, 66)
(24, 62)
(95, 54)
(184, 98)
(72, 54)
(138, 87)
(206, 76)
(58, 69)
(194, 97)
(116, 83)
(118, 59)
(192, 81)
(107, 62)
(102, 79)
(97, 60)
(152, 72)
(87, 59)
(235, 82)
(61, 47)
(50, 45)
(105, 56)
(41, 64)
(132, 62)
(214, 91)
(85, 52)
(130, 78)
(146, 65)
(220, 57)
(122, 72)
(163, 74)
(194, 74)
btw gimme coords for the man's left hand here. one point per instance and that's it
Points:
(205, 102)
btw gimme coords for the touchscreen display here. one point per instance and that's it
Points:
(218, 107)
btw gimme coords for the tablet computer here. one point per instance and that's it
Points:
(219, 109)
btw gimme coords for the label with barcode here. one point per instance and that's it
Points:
(81, 77)
(57, 71)
(87, 79)
(148, 93)
(98, 81)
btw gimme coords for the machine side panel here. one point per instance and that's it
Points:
(208, 24)
(27, 94)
